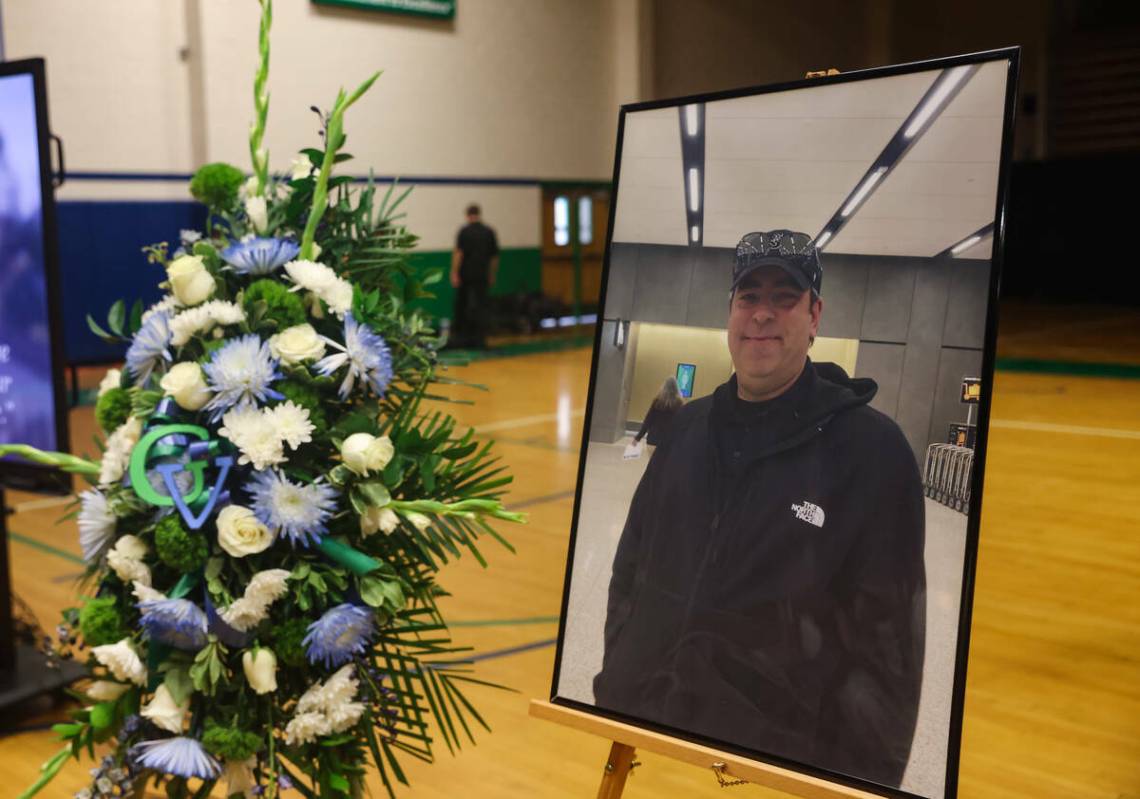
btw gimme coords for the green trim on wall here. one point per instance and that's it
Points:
(520, 269)
(436, 9)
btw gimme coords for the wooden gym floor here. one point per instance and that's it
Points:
(1053, 696)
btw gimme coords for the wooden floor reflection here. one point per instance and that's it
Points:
(1053, 700)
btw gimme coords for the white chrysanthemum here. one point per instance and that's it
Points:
(203, 319)
(324, 283)
(304, 728)
(255, 435)
(118, 453)
(292, 423)
(96, 524)
(144, 593)
(122, 661)
(167, 303)
(113, 379)
(264, 588)
(128, 569)
(345, 716)
(335, 692)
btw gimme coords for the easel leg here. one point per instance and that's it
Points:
(618, 767)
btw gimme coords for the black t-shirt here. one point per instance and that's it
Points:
(478, 244)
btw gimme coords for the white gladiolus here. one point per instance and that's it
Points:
(375, 520)
(257, 212)
(126, 557)
(421, 521)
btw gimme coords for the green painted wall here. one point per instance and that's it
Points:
(520, 269)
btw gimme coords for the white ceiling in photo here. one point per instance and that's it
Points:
(790, 159)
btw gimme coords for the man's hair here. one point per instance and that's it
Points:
(473, 210)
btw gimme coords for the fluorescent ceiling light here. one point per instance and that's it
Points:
(694, 189)
(691, 120)
(965, 245)
(936, 100)
(695, 233)
(823, 239)
(863, 191)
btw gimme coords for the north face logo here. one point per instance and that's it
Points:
(807, 512)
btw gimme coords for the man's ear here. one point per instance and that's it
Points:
(816, 313)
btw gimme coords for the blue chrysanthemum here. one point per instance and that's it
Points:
(240, 373)
(367, 356)
(149, 346)
(294, 510)
(260, 256)
(339, 634)
(176, 622)
(180, 756)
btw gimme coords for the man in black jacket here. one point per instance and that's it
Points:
(769, 589)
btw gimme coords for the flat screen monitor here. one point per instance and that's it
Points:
(32, 399)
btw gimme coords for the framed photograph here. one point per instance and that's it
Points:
(788, 574)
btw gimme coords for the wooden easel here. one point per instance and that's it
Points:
(728, 769)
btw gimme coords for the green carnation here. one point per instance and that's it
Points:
(308, 398)
(178, 548)
(287, 641)
(101, 623)
(217, 185)
(113, 408)
(281, 305)
(230, 743)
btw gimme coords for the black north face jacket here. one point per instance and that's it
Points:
(769, 589)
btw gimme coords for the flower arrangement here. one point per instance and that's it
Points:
(273, 504)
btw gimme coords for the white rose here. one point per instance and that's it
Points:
(112, 379)
(190, 282)
(257, 212)
(421, 521)
(240, 533)
(164, 712)
(377, 520)
(363, 452)
(260, 667)
(296, 344)
(106, 691)
(186, 383)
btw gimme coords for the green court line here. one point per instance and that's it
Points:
(504, 622)
(1126, 371)
(40, 545)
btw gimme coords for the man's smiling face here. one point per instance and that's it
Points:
(771, 323)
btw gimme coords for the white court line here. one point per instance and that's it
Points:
(38, 504)
(524, 421)
(1076, 430)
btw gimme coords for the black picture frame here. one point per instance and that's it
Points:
(16, 474)
(1011, 55)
